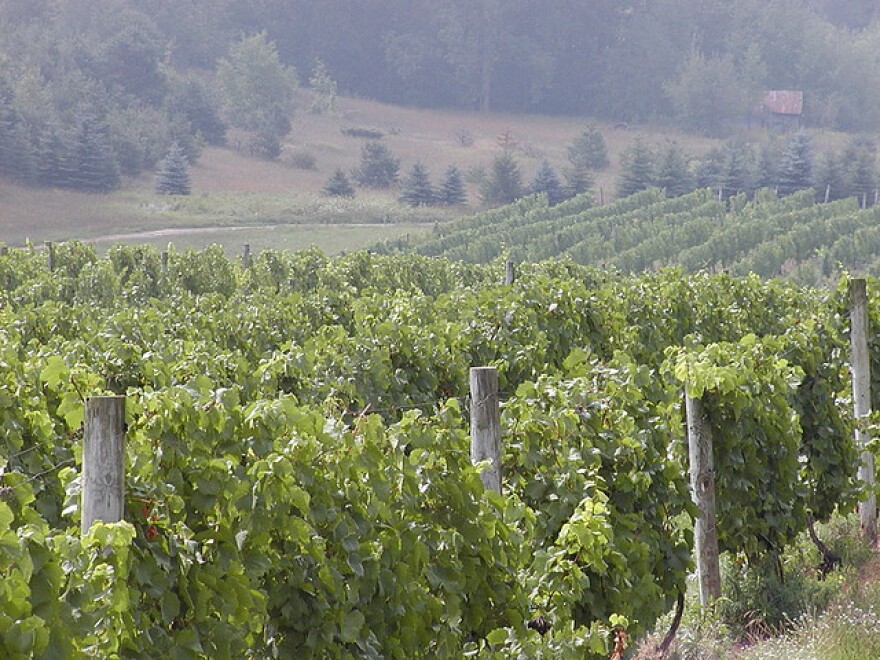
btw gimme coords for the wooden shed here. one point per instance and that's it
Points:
(782, 110)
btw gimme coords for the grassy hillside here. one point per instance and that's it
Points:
(232, 189)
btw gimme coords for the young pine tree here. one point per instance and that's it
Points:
(452, 192)
(173, 175)
(672, 172)
(636, 169)
(547, 182)
(378, 167)
(416, 187)
(589, 150)
(795, 169)
(338, 185)
(503, 184)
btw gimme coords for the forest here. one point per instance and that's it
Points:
(94, 90)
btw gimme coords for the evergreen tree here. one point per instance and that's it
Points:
(8, 122)
(707, 173)
(578, 180)
(736, 168)
(672, 171)
(862, 176)
(173, 176)
(589, 150)
(90, 165)
(378, 167)
(416, 188)
(795, 171)
(766, 170)
(504, 183)
(830, 175)
(547, 182)
(636, 169)
(50, 159)
(338, 185)
(452, 192)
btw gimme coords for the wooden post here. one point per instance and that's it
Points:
(50, 247)
(876, 193)
(827, 193)
(246, 256)
(164, 260)
(720, 194)
(702, 472)
(601, 196)
(103, 460)
(486, 425)
(864, 200)
(509, 272)
(861, 377)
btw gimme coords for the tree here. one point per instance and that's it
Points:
(707, 95)
(737, 162)
(325, 89)
(589, 150)
(636, 168)
(257, 89)
(862, 175)
(766, 168)
(378, 167)
(338, 185)
(795, 169)
(452, 192)
(91, 165)
(416, 188)
(547, 182)
(671, 171)
(578, 180)
(173, 176)
(830, 175)
(503, 185)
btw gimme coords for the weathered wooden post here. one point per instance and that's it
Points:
(50, 259)
(702, 472)
(103, 460)
(486, 424)
(861, 377)
(164, 260)
(246, 256)
(509, 272)
(827, 192)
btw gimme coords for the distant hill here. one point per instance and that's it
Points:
(792, 236)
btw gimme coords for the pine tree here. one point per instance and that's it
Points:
(830, 176)
(862, 177)
(173, 176)
(7, 131)
(589, 150)
(672, 171)
(378, 167)
(547, 182)
(452, 192)
(708, 172)
(795, 171)
(416, 188)
(736, 168)
(766, 169)
(578, 180)
(90, 165)
(338, 185)
(50, 159)
(636, 169)
(504, 183)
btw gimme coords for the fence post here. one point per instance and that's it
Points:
(246, 256)
(827, 192)
(103, 460)
(509, 272)
(702, 472)
(861, 378)
(50, 259)
(164, 260)
(486, 424)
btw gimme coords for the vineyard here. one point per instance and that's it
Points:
(298, 481)
(791, 236)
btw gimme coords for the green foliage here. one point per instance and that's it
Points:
(503, 182)
(325, 89)
(795, 167)
(173, 175)
(636, 168)
(378, 167)
(416, 188)
(588, 150)
(451, 191)
(338, 185)
(257, 88)
(547, 182)
(671, 171)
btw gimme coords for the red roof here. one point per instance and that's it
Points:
(784, 103)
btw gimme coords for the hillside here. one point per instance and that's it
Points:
(790, 236)
(233, 189)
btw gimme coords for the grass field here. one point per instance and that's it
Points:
(233, 189)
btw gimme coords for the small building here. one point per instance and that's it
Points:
(782, 110)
